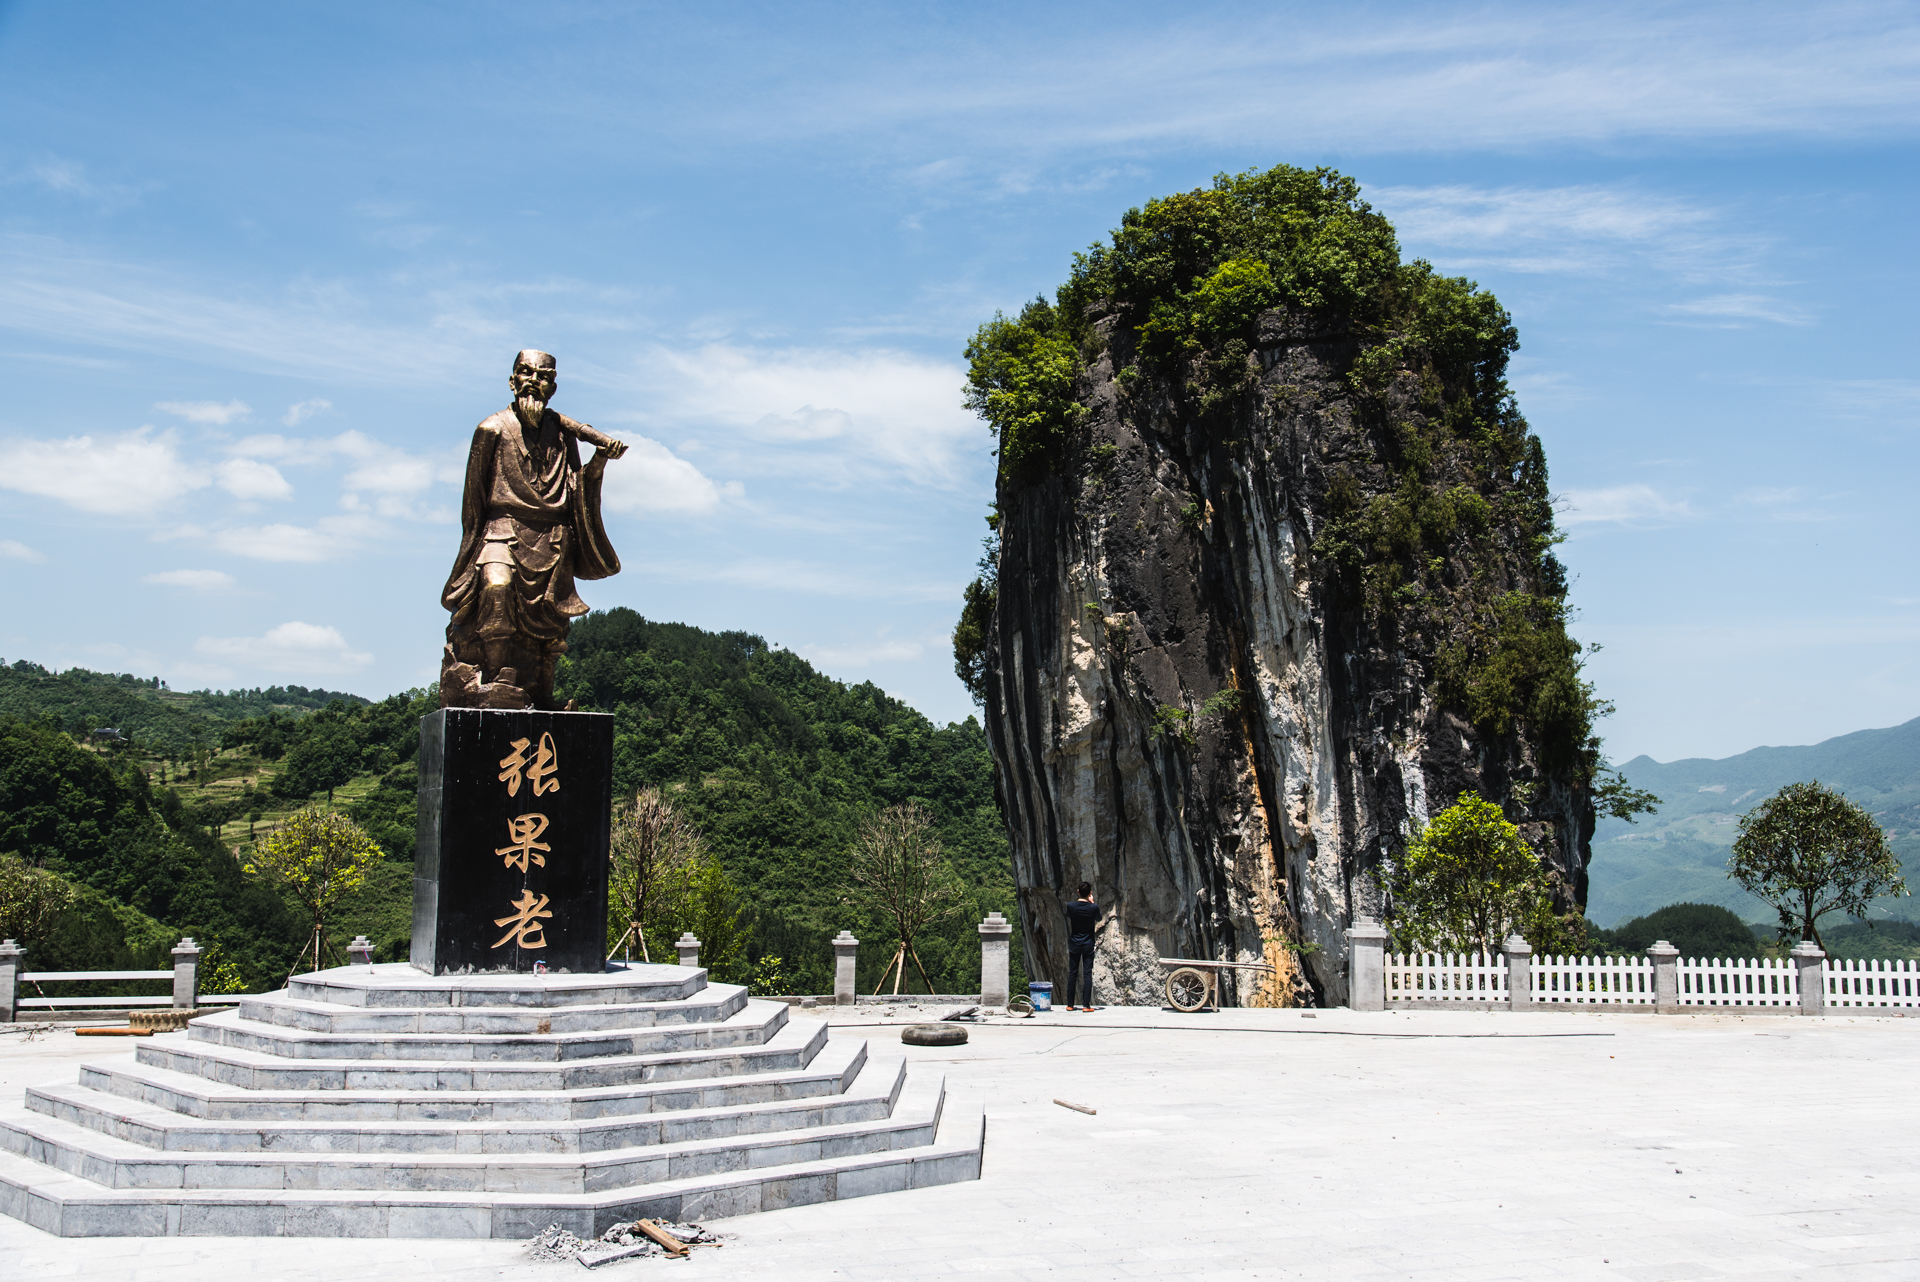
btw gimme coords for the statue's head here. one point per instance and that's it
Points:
(533, 377)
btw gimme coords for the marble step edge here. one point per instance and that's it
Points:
(870, 1097)
(712, 1004)
(828, 1072)
(114, 1163)
(66, 1206)
(793, 1046)
(232, 1028)
(398, 984)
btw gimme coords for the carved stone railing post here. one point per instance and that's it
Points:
(10, 955)
(1666, 976)
(688, 947)
(1809, 963)
(844, 947)
(1519, 954)
(186, 974)
(361, 951)
(1367, 964)
(996, 935)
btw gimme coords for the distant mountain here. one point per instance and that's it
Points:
(1680, 852)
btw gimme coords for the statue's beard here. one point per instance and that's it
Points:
(532, 408)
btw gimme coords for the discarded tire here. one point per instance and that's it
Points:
(934, 1035)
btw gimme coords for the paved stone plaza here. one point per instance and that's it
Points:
(1257, 1144)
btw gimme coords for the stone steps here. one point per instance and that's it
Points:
(715, 1003)
(790, 1048)
(871, 1098)
(397, 984)
(71, 1207)
(748, 1025)
(383, 1101)
(118, 1164)
(830, 1072)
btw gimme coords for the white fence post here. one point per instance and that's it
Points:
(10, 955)
(186, 974)
(1809, 964)
(688, 947)
(844, 947)
(1519, 954)
(996, 939)
(1666, 977)
(1366, 966)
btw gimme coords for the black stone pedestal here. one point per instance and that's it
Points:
(510, 858)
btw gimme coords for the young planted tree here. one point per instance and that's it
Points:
(319, 856)
(900, 870)
(1807, 850)
(656, 858)
(30, 899)
(1469, 878)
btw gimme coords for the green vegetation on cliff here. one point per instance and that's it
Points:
(1443, 532)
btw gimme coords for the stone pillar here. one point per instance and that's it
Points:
(361, 950)
(1367, 964)
(10, 962)
(1519, 973)
(186, 974)
(688, 947)
(1809, 964)
(1666, 976)
(996, 936)
(844, 946)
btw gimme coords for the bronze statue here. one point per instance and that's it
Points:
(530, 525)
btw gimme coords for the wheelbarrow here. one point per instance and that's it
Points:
(1195, 985)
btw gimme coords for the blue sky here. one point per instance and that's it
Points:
(263, 267)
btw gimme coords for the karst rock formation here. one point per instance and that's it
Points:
(1273, 584)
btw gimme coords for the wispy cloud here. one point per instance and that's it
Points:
(1633, 505)
(249, 479)
(291, 649)
(195, 580)
(1737, 309)
(12, 551)
(304, 410)
(331, 538)
(216, 413)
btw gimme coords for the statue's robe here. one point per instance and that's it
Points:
(530, 505)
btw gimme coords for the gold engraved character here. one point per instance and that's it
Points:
(545, 762)
(524, 929)
(523, 831)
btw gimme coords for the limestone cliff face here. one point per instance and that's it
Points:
(1196, 705)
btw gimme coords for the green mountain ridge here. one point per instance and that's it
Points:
(1679, 853)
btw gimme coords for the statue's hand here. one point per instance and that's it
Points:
(614, 449)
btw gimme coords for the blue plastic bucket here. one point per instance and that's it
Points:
(1040, 992)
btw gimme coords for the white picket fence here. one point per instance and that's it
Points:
(1629, 981)
(1859, 982)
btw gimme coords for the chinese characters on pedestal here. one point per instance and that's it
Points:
(524, 850)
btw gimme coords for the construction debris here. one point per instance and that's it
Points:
(968, 1013)
(628, 1241)
(113, 1032)
(1078, 1108)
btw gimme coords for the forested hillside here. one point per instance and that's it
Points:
(777, 764)
(1680, 851)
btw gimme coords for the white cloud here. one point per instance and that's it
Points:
(292, 649)
(12, 551)
(1459, 215)
(1744, 307)
(862, 654)
(328, 539)
(197, 580)
(300, 413)
(843, 412)
(132, 474)
(384, 479)
(248, 479)
(1637, 505)
(651, 480)
(213, 413)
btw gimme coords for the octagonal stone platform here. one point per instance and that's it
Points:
(381, 1102)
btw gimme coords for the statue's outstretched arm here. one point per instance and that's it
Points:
(606, 446)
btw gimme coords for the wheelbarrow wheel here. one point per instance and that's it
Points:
(1187, 989)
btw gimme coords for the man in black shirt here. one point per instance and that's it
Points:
(1083, 917)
